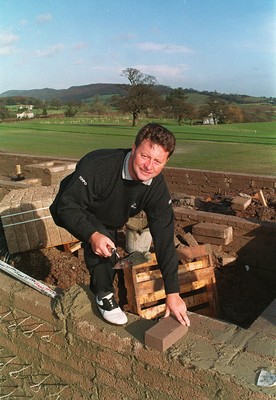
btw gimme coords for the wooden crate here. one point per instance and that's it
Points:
(145, 288)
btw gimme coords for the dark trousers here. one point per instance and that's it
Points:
(101, 269)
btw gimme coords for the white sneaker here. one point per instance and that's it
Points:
(110, 310)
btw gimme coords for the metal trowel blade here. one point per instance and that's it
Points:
(123, 264)
(135, 258)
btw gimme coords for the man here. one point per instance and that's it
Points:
(107, 188)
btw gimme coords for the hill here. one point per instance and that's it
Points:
(76, 93)
(86, 93)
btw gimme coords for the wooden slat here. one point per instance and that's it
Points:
(153, 312)
(156, 273)
(196, 275)
(191, 266)
(196, 299)
(213, 303)
(147, 263)
(148, 275)
(157, 311)
(184, 278)
(70, 248)
(129, 284)
(160, 294)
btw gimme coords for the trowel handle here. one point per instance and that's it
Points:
(113, 251)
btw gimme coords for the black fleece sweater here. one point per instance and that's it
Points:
(96, 196)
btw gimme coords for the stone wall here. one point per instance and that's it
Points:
(183, 180)
(8, 162)
(199, 182)
(85, 358)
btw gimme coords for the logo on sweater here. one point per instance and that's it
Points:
(82, 180)
(134, 205)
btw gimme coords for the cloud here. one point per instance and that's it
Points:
(164, 71)
(7, 43)
(79, 62)
(50, 51)
(124, 37)
(23, 23)
(163, 48)
(42, 18)
(79, 46)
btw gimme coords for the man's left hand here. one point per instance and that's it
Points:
(176, 305)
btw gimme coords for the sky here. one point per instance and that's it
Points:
(228, 46)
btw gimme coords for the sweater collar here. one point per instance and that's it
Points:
(125, 171)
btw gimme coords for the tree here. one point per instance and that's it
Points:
(44, 112)
(232, 114)
(215, 108)
(176, 103)
(4, 111)
(71, 110)
(98, 107)
(140, 94)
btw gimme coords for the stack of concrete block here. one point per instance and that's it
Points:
(6, 185)
(27, 221)
(205, 232)
(50, 172)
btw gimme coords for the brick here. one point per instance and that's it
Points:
(164, 334)
(35, 303)
(186, 253)
(211, 240)
(127, 388)
(240, 203)
(211, 230)
(113, 360)
(226, 259)
(190, 240)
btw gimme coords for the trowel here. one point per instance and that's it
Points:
(135, 258)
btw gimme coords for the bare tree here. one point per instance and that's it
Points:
(140, 94)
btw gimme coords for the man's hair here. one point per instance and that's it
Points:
(157, 134)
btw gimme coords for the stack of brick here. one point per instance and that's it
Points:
(27, 221)
(6, 185)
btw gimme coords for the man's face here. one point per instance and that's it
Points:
(147, 160)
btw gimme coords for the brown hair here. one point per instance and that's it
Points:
(157, 134)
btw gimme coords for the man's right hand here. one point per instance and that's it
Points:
(101, 244)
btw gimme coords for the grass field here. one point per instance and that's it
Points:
(243, 148)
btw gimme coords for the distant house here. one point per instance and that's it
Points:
(210, 120)
(25, 114)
